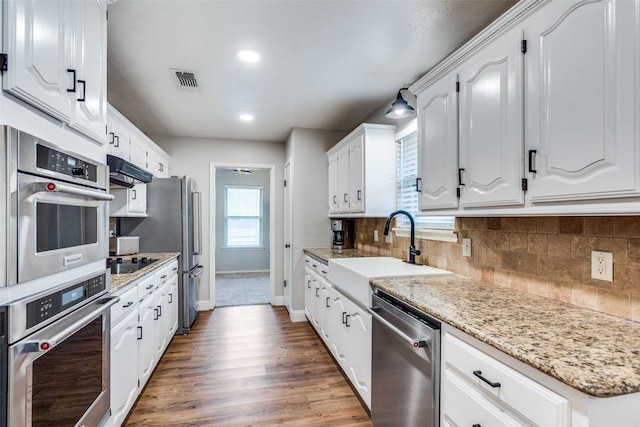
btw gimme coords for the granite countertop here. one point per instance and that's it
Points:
(593, 352)
(325, 254)
(119, 281)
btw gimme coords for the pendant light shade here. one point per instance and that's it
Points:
(400, 108)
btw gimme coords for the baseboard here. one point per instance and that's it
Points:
(297, 316)
(203, 305)
(242, 271)
(279, 300)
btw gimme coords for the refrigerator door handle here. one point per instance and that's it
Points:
(197, 223)
(196, 271)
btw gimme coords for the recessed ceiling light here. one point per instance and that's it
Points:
(249, 55)
(246, 117)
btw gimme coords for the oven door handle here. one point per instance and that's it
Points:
(68, 189)
(49, 337)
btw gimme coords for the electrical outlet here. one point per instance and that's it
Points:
(375, 235)
(389, 238)
(602, 266)
(466, 247)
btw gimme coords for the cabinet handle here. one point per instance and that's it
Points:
(326, 303)
(309, 284)
(163, 276)
(531, 154)
(460, 176)
(317, 289)
(359, 195)
(159, 311)
(335, 199)
(174, 269)
(160, 167)
(419, 185)
(84, 90)
(117, 141)
(129, 304)
(140, 330)
(479, 375)
(155, 313)
(344, 320)
(113, 138)
(287, 246)
(170, 298)
(149, 287)
(73, 72)
(133, 194)
(345, 197)
(476, 425)
(347, 323)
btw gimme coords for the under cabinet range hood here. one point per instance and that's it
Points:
(126, 174)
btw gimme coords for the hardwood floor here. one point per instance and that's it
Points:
(248, 366)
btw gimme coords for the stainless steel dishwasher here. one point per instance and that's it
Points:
(405, 385)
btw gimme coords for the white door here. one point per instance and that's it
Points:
(172, 305)
(491, 139)
(124, 373)
(338, 333)
(359, 353)
(138, 152)
(160, 327)
(356, 174)
(118, 140)
(582, 88)
(41, 71)
(288, 253)
(325, 310)
(90, 55)
(137, 202)
(146, 337)
(343, 179)
(438, 145)
(333, 183)
(308, 294)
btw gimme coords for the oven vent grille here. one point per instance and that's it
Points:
(185, 80)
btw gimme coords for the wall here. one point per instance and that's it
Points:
(193, 156)
(309, 202)
(241, 259)
(546, 256)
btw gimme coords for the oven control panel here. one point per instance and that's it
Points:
(66, 164)
(55, 303)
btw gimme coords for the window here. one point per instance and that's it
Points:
(243, 217)
(407, 169)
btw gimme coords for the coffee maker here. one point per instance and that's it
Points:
(342, 233)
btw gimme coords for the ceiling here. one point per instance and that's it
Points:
(324, 64)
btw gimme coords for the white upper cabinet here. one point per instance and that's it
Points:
(582, 98)
(56, 54)
(438, 145)
(491, 142)
(362, 169)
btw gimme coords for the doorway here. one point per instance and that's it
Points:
(242, 238)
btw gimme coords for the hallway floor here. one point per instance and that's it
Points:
(248, 366)
(242, 289)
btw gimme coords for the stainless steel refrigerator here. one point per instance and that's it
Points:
(173, 224)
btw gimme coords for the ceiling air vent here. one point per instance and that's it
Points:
(185, 80)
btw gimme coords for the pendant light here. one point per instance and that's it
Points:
(400, 108)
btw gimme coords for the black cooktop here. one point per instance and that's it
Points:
(127, 266)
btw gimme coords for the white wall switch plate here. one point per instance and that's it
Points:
(375, 235)
(466, 247)
(389, 238)
(602, 266)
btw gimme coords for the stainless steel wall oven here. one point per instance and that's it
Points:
(57, 213)
(56, 355)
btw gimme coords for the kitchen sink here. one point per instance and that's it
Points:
(352, 275)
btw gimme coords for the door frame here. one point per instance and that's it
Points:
(288, 232)
(212, 226)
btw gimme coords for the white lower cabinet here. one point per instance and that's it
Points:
(142, 326)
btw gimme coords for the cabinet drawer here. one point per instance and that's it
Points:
(128, 302)
(172, 268)
(462, 405)
(162, 274)
(146, 286)
(535, 402)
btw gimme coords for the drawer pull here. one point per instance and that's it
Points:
(476, 425)
(479, 375)
(317, 289)
(129, 304)
(150, 286)
(327, 302)
(344, 321)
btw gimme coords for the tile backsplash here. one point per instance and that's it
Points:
(546, 256)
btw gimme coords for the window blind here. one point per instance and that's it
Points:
(243, 217)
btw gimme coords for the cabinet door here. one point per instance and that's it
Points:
(308, 294)
(356, 174)
(172, 306)
(582, 88)
(37, 33)
(438, 145)
(359, 352)
(118, 139)
(333, 183)
(160, 319)
(343, 180)
(325, 311)
(138, 152)
(491, 138)
(137, 199)
(90, 55)
(124, 372)
(338, 332)
(316, 312)
(146, 342)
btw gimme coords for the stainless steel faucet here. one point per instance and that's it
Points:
(412, 244)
